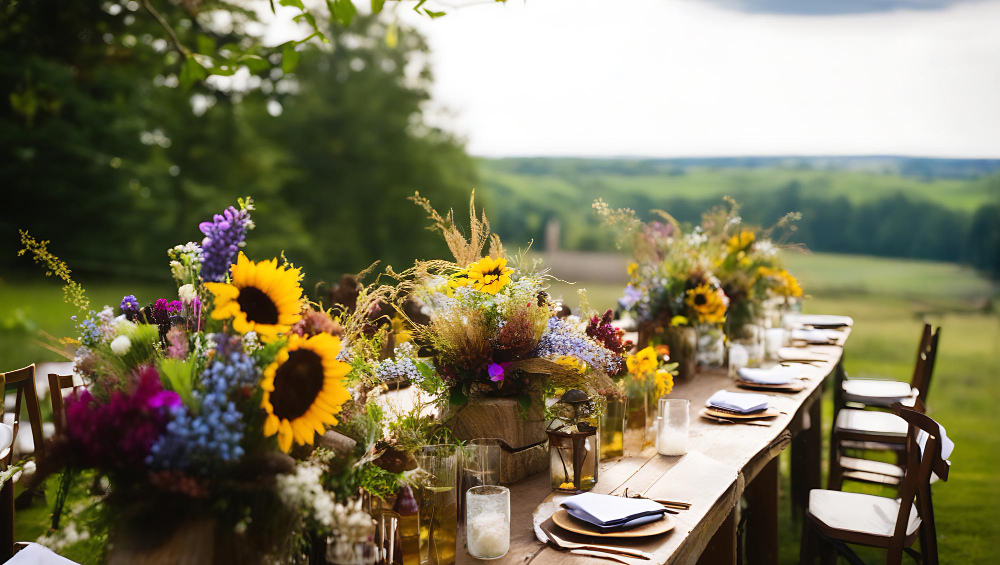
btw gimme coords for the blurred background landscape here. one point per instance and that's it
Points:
(111, 156)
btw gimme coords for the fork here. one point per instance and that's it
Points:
(563, 544)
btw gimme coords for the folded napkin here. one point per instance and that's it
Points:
(613, 512)
(813, 335)
(35, 554)
(773, 376)
(741, 402)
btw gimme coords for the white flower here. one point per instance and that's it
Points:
(187, 293)
(120, 345)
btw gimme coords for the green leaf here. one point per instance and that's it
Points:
(433, 14)
(377, 6)
(524, 401)
(458, 397)
(425, 370)
(191, 72)
(289, 59)
(343, 11)
(419, 4)
(294, 4)
(206, 45)
(255, 63)
(178, 375)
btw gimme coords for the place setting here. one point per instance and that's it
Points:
(779, 378)
(739, 408)
(606, 526)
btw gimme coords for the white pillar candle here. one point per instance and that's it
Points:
(487, 530)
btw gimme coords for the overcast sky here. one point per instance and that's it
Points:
(670, 78)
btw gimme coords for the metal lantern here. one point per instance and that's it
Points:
(574, 449)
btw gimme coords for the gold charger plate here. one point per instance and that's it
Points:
(766, 414)
(562, 519)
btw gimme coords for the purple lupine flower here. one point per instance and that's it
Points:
(632, 296)
(130, 306)
(224, 236)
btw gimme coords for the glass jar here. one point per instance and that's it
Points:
(487, 531)
(437, 498)
(683, 344)
(480, 466)
(612, 428)
(640, 418)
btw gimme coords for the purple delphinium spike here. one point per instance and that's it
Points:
(224, 236)
(130, 306)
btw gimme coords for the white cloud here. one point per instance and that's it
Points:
(678, 78)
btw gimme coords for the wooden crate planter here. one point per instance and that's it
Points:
(522, 436)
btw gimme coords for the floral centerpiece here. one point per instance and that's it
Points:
(199, 424)
(672, 291)
(496, 338)
(749, 266)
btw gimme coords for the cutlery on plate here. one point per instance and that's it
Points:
(747, 422)
(668, 503)
(563, 544)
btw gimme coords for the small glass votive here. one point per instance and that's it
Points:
(739, 357)
(774, 340)
(487, 531)
(480, 466)
(672, 426)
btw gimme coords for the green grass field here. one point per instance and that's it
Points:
(698, 183)
(889, 300)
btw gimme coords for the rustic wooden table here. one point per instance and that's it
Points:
(723, 463)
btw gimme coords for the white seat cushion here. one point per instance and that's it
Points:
(855, 512)
(870, 422)
(877, 392)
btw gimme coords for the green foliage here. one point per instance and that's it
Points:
(179, 376)
(73, 293)
(146, 161)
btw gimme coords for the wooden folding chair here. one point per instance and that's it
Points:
(868, 430)
(835, 518)
(881, 393)
(57, 384)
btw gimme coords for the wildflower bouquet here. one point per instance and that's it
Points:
(193, 403)
(492, 328)
(672, 284)
(748, 264)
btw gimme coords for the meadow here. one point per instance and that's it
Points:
(889, 301)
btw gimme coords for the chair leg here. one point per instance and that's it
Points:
(828, 553)
(7, 521)
(835, 478)
(807, 546)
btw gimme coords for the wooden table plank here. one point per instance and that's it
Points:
(721, 459)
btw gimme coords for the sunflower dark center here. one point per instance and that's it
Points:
(258, 306)
(700, 299)
(296, 384)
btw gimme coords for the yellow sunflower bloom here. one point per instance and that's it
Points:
(741, 241)
(642, 363)
(708, 302)
(304, 389)
(262, 298)
(489, 275)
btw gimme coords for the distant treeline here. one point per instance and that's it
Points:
(892, 226)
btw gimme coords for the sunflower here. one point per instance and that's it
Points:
(740, 241)
(489, 275)
(262, 298)
(303, 389)
(708, 302)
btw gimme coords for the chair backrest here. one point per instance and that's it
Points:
(23, 381)
(924, 369)
(57, 384)
(921, 463)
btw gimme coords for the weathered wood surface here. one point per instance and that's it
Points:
(721, 460)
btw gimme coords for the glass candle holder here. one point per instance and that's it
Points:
(673, 423)
(573, 457)
(774, 340)
(480, 466)
(487, 532)
(437, 498)
(739, 357)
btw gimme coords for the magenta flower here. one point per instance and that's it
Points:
(496, 372)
